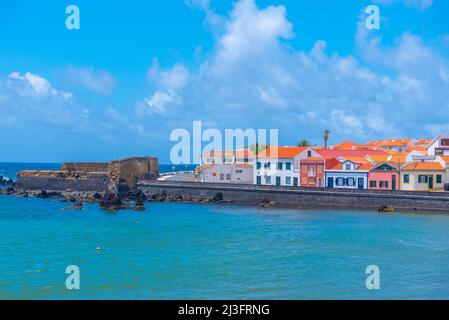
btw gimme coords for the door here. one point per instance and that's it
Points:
(393, 182)
(259, 180)
(295, 181)
(278, 181)
(361, 183)
(330, 182)
(430, 182)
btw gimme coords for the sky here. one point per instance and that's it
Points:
(137, 70)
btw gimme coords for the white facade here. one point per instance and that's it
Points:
(349, 177)
(280, 171)
(439, 146)
(226, 173)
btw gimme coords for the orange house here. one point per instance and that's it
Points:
(384, 176)
(312, 172)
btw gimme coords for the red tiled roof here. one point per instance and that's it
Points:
(349, 153)
(281, 152)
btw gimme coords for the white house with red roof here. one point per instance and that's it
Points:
(348, 174)
(279, 166)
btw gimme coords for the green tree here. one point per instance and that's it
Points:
(304, 143)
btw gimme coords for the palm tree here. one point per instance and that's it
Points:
(326, 137)
(304, 143)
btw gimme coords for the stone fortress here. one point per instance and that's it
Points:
(122, 174)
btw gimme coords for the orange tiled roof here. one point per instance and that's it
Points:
(423, 166)
(347, 145)
(365, 166)
(281, 152)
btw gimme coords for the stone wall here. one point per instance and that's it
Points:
(97, 182)
(252, 194)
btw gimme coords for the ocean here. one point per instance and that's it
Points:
(203, 251)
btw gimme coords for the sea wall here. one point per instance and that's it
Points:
(96, 182)
(302, 197)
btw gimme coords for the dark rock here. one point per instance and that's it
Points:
(139, 206)
(136, 196)
(10, 190)
(266, 204)
(386, 209)
(44, 194)
(110, 201)
(97, 196)
(218, 197)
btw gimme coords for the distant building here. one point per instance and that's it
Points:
(230, 157)
(241, 173)
(423, 176)
(439, 146)
(384, 176)
(279, 166)
(312, 172)
(347, 174)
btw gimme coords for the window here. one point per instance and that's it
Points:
(439, 178)
(278, 181)
(288, 180)
(340, 182)
(279, 166)
(288, 166)
(439, 152)
(445, 142)
(423, 179)
(383, 184)
(238, 171)
(267, 165)
(309, 153)
(304, 168)
(348, 166)
(311, 181)
(259, 165)
(350, 182)
(304, 181)
(406, 178)
(373, 184)
(228, 176)
(268, 180)
(222, 176)
(259, 180)
(320, 169)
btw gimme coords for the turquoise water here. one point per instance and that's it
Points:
(196, 251)
(187, 251)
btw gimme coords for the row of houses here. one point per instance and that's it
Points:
(395, 164)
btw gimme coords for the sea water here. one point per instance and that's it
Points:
(202, 251)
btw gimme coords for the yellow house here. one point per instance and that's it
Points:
(423, 176)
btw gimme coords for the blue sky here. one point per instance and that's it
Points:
(136, 70)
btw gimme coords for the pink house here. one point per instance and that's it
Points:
(384, 176)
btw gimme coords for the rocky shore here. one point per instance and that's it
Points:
(131, 200)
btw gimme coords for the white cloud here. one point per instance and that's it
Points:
(254, 78)
(97, 81)
(34, 85)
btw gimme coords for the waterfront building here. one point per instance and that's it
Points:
(312, 171)
(423, 176)
(384, 176)
(348, 174)
(280, 165)
(241, 173)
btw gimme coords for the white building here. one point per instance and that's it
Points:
(229, 157)
(279, 166)
(439, 146)
(241, 173)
